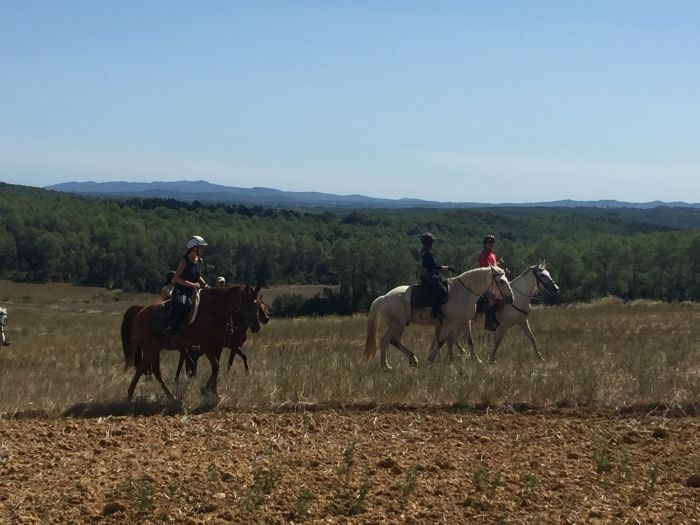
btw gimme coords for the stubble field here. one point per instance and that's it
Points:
(606, 430)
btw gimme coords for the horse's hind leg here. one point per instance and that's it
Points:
(395, 333)
(392, 336)
(139, 370)
(156, 372)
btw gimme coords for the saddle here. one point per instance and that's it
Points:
(422, 296)
(165, 310)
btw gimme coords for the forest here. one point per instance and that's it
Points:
(132, 243)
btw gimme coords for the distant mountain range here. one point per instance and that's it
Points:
(206, 192)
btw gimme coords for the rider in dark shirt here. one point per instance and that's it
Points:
(188, 279)
(431, 277)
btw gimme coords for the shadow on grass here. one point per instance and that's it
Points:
(136, 408)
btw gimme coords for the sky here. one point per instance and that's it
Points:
(509, 101)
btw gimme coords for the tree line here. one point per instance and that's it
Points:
(132, 243)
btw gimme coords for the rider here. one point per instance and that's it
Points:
(166, 292)
(188, 278)
(488, 258)
(221, 281)
(430, 275)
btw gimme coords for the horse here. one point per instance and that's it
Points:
(216, 306)
(3, 323)
(525, 286)
(234, 340)
(395, 308)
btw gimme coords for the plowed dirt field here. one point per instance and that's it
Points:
(361, 466)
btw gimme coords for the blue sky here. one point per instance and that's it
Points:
(463, 101)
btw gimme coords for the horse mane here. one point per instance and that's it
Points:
(481, 269)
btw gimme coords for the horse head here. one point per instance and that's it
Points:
(544, 279)
(250, 307)
(263, 311)
(500, 287)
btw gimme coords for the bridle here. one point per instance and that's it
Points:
(539, 281)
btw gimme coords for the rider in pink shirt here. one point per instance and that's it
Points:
(488, 258)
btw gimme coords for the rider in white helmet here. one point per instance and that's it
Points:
(221, 281)
(188, 278)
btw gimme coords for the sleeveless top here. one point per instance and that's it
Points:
(192, 273)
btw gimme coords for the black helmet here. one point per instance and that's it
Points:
(169, 276)
(427, 238)
(489, 238)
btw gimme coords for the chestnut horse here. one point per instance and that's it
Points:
(216, 306)
(235, 339)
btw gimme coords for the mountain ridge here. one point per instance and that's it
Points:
(204, 191)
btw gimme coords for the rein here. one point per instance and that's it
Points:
(467, 288)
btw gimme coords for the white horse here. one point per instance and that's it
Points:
(395, 308)
(3, 323)
(525, 286)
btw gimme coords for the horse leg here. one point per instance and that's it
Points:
(214, 362)
(156, 372)
(180, 362)
(528, 333)
(139, 370)
(435, 347)
(412, 359)
(470, 345)
(383, 345)
(497, 338)
(239, 351)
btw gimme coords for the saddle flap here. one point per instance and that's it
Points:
(422, 296)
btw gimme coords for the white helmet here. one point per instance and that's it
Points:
(195, 241)
(221, 280)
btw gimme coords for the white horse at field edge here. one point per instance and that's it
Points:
(395, 309)
(525, 286)
(3, 323)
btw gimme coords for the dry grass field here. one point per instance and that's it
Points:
(605, 430)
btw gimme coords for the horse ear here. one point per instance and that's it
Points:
(257, 289)
(543, 263)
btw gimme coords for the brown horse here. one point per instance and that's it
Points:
(235, 339)
(216, 306)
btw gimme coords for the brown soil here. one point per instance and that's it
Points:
(373, 466)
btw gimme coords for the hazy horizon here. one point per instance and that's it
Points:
(448, 101)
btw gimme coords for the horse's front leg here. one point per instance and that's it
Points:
(470, 344)
(213, 354)
(435, 346)
(497, 338)
(533, 342)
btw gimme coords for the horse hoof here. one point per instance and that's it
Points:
(413, 361)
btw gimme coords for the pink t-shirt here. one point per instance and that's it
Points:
(487, 259)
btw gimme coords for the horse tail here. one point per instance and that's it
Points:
(128, 345)
(372, 327)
